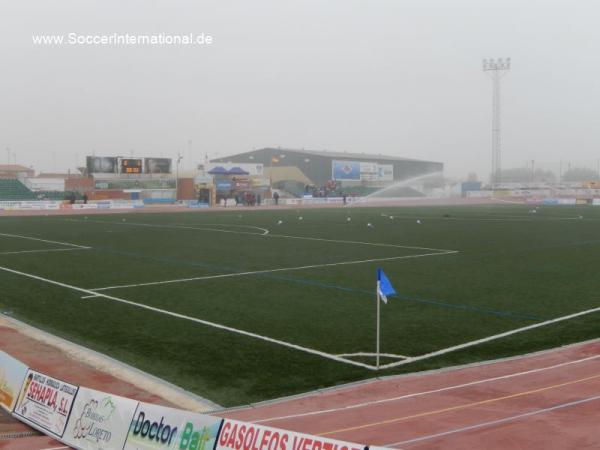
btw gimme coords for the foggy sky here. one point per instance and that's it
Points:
(396, 77)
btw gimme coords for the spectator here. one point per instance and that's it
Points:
(276, 198)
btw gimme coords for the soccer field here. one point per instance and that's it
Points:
(240, 305)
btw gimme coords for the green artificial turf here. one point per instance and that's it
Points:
(512, 268)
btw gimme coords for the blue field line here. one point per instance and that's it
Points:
(213, 268)
(488, 311)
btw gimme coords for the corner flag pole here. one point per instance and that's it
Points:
(378, 324)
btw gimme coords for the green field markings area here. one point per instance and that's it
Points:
(290, 293)
(15, 244)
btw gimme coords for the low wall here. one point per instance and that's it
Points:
(87, 419)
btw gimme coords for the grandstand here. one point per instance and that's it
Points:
(13, 189)
(318, 167)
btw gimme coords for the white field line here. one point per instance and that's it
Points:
(281, 269)
(498, 421)
(43, 251)
(264, 230)
(194, 319)
(491, 219)
(432, 391)
(284, 236)
(490, 338)
(387, 355)
(68, 244)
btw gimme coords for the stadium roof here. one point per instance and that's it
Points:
(14, 168)
(330, 154)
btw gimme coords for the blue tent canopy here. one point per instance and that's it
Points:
(218, 171)
(237, 171)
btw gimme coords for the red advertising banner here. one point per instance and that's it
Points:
(237, 435)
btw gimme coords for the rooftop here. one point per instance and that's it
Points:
(14, 168)
(329, 154)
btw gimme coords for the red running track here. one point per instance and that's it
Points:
(549, 400)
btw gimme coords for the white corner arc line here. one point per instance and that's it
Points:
(499, 421)
(68, 244)
(432, 391)
(490, 338)
(387, 355)
(257, 272)
(194, 319)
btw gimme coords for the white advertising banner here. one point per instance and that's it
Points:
(368, 171)
(45, 402)
(158, 427)
(99, 421)
(385, 172)
(237, 435)
(12, 374)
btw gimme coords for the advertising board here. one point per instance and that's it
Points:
(345, 170)
(157, 427)
(385, 172)
(99, 421)
(237, 435)
(45, 402)
(12, 375)
(368, 171)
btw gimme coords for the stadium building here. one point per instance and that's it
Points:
(319, 167)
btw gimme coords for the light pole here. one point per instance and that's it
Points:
(496, 69)
(179, 157)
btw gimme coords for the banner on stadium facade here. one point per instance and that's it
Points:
(345, 170)
(158, 427)
(12, 374)
(99, 420)
(237, 435)
(385, 172)
(45, 402)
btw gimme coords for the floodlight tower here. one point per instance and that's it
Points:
(496, 70)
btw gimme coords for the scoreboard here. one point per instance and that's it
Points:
(131, 166)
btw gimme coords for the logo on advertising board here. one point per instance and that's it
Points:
(248, 436)
(99, 420)
(158, 427)
(12, 373)
(45, 402)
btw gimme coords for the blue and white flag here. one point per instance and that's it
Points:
(384, 286)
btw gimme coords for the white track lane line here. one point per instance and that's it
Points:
(193, 319)
(429, 392)
(498, 421)
(68, 244)
(281, 269)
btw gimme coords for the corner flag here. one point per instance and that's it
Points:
(384, 287)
